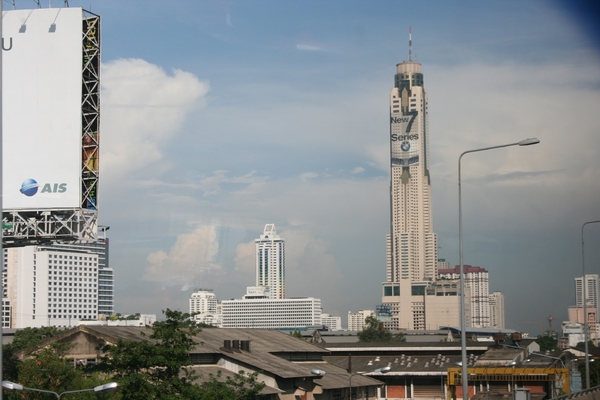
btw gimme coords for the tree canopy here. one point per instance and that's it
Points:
(375, 332)
(154, 367)
(157, 367)
(547, 343)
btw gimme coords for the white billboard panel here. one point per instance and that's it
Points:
(404, 139)
(41, 88)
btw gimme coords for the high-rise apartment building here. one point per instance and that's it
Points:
(497, 310)
(205, 307)
(592, 290)
(356, 321)
(477, 280)
(270, 262)
(203, 301)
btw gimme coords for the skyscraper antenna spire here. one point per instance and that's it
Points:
(410, 43)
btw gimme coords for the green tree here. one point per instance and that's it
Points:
(30, 338)
(594, 372)
(27, 339)
(241, 387)
(375, 332)
(48, 370)
(155, 366)
(547, 343)
(297, 335)
(581, 345)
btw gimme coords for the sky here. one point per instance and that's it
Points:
(218, 117)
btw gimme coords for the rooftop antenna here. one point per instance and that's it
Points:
(410, 43)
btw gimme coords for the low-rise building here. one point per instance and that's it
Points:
(333, 323)
(266, 313)
(284, 363)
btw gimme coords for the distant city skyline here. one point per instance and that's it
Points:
(236, 113)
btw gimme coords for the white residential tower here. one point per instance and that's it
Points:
(270, 262)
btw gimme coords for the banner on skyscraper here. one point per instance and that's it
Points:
(404, 139)
(41, 116)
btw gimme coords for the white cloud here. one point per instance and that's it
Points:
(211, 185)
(245, 258)
(308, 175)
(358, 170)
(192, 255)
(142, 108)
(309, 47)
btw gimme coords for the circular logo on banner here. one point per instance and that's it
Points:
(29, 187)
(405, 146)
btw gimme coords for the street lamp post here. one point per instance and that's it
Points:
(320, 372)
(107, 387)
(463, 336)
(585, 324)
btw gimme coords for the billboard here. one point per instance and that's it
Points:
(384, 313)
(42, 95)
(404, 139)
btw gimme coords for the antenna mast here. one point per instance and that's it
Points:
(410, 43)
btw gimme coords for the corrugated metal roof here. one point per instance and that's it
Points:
(337, 378)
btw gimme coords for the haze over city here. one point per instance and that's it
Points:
(219, 117)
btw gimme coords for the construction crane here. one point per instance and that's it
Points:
(539, 324)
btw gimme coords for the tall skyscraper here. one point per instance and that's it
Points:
(270, 262)
(412, 244)
(592, 290)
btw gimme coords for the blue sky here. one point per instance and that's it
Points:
(221, 116)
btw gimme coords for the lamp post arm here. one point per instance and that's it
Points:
(74, 391)
(545, 355)
(42, 391)
(584, 299)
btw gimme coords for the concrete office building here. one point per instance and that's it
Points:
(270, 262)
(57, 284)
(477, 280)
(106, 280)
(51, 287)
(256, 309)
(333, 323)
(267, 313)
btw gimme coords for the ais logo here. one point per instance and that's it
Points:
(30, 187)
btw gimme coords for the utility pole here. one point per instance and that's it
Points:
(550, 325)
